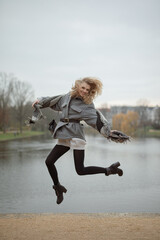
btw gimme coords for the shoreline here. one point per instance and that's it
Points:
(11, 137)
(79, 226)
(109, 214)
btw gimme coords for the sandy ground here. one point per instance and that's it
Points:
(79, 226)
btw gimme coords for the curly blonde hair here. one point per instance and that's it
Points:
(95, 88)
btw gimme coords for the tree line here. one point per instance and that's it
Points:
(16, 98)
(139, 119)
(15, 102)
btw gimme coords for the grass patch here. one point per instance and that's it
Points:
(16, 135)
(153, 133)
(148, 132)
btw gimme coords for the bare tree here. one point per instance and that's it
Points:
(6, 88)
(22, 94)
(143, 102)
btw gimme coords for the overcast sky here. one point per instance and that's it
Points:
(51, 43)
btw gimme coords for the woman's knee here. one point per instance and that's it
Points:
(80, 172)
(79, 162)
(48, 161)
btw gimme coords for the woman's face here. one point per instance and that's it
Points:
(84, 89)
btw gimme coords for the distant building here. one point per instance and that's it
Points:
(152, 113)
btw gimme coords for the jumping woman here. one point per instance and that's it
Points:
(75, 106)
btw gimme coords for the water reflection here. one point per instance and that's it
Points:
(25, 185)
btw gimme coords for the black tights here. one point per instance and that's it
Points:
(58, 151)
(54, 155)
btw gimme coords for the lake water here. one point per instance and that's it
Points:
(26, 187)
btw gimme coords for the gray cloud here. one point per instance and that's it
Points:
(51, 43)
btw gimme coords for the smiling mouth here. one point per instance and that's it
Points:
(83, 94)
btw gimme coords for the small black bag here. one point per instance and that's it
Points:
(52, 126)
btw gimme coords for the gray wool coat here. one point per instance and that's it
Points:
(72, 108)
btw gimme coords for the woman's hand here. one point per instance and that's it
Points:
(118, 136)
(37, 101)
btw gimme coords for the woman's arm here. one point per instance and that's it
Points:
(51, 102)
(43, 102)
(35, 102)
(99, 122)
(102, 124)
(95, 119)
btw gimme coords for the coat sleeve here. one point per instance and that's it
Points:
(95, 119)
(52, 102)
(44, 102)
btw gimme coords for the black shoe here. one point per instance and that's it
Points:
(113, 169)
(59, 189)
